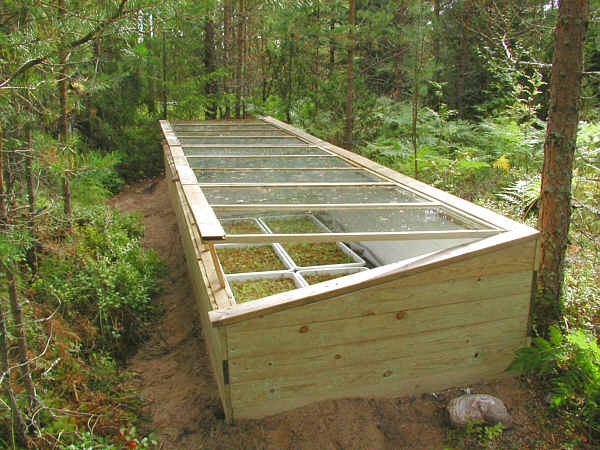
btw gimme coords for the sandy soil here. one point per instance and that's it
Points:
(181, 397)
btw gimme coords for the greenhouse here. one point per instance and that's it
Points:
(320, 274)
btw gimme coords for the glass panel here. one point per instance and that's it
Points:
(263, 141)
(357, 221)
(253, 151)
(285, 176)
(220, 125)
(227, 132)
(277, 162)
(298, 195)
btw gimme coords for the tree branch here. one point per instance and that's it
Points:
(119, 14)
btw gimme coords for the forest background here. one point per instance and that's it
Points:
(455, 93)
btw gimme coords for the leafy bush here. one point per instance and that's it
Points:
(107, 276)
(570, 364)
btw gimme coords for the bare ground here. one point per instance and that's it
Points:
(181, 398)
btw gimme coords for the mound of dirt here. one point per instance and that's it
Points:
(181, 398)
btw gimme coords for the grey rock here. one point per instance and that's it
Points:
(484, 407)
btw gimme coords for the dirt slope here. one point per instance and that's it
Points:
(182, 400)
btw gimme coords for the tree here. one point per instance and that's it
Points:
(559, 150)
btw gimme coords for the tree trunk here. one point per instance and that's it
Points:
(559, 150)
(436, 50)
(227, 39)
(63, 128)
(211, 66)
(17, 313)
(239, 68)
(348, 129)
(164, 91)
(18, 430)
(32, 259)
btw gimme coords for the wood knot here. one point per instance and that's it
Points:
(400, 315)
(338, 356)
(387, 373)
(304, 329)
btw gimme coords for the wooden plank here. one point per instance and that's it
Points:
(216, 340)
(209, 226)
(364, 350)
(504, 253)
(364, 236)
(410, 293)
(392, 377)
(345, 331)
(388, 387)
(462, 205)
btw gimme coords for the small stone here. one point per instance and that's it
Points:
(483, 407)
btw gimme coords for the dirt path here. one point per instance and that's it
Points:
(181, 396)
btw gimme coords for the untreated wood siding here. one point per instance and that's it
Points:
(446, 326)
(197, 257)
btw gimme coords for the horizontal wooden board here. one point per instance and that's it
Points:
(323, 354)
(377, 326)
(394, 377)
(433, 382)
(393, 297)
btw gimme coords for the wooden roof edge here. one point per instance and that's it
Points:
(459, 204)
(362, 280)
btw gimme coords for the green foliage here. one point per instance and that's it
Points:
(107, 276)
(475, 435)
(570, 364)
(522, 196)
(125, 438)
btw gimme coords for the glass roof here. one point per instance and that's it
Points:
(291, 186)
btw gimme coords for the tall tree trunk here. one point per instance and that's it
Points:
(63, 127)
(348, 129)
(239, 68)
(23, 359)
(227, 41)
(436, 50)
(463, 58)
(32, 259)
(211, 66)
(164, 89)
(18, 428)
(559, 150)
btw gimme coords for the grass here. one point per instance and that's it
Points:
(249, 259)
(245, 291)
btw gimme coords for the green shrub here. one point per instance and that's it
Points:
(570, 364)
(107, 276)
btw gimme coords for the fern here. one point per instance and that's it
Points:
(523, 196)
(570, 363)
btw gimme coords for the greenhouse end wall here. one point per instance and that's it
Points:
(432, 322)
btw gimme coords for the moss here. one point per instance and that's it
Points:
(244, 291)
(294, 225)
(249, 259)
(314, 279)
(242, 226)
(307, 254)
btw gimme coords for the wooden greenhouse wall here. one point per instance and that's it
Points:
(429, 323)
